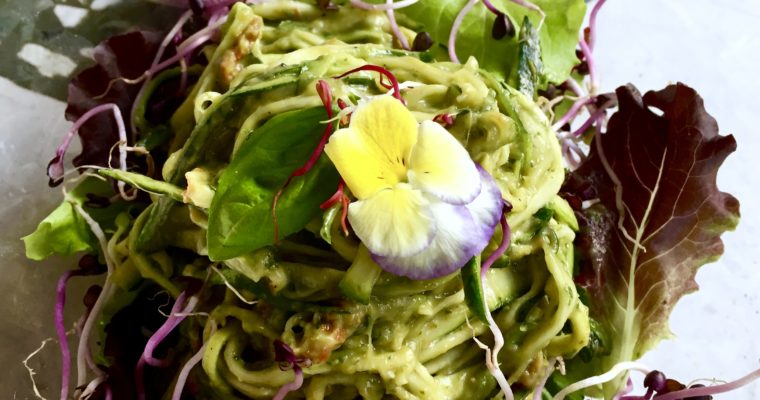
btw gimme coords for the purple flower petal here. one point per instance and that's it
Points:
(450, 249)
(487, 207)
(463, 231)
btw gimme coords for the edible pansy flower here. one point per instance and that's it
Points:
(423, 206)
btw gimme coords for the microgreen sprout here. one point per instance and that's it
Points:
(698, 391)
(339, 197)
(88, 266)
(383, 7)
(613, 373)
(395, 28)
(83, 350)
(182, 306)
(492, 361)
(287, 359)
(455, 29)
(55, 166)
(572, 112)
(185, 372)
(502, 25)
(384, 72)
(232, 288)
(444, 119)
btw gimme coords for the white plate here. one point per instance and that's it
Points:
(711, 46)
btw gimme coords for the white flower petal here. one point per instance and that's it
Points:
(453, 245)
(440, 165)
(394, 222)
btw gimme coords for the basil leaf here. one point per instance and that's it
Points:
(240, 217)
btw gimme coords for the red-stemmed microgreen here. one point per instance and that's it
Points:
(384, 72)
(339, 197)
(287, 359)
(325, 95)
(444, 119)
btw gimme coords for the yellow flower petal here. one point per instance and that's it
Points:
(441, 166)
(372, 153)
(394, 222)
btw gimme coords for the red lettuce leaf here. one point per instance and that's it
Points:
(123, 56)
(641, 252)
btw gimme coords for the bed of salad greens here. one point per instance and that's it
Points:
(345, 199)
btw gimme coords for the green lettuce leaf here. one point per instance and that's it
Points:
(644, 241)
(240, 218)
(558, 35)
(64, 231)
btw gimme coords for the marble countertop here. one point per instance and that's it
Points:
(711, 46)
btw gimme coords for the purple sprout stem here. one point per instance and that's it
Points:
(628, 388)
(537, 393)
(291, 386)
(139, 378)
(491, 7)
(60, 329)
(595, 118)
(592, 23)
(571, 113)
(710, 390)
(589, 57)
(185, 372)
(55, 168)
(506, 233)
(575, 87)
(173, 32)
(172, 321)
(394, 26)
(455, 28)
(166, 328)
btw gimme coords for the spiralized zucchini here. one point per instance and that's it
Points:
(414, 340)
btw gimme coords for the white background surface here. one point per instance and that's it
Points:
(713, 46)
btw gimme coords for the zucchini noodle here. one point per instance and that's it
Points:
(414, 339)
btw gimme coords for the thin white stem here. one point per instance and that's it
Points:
(84, 339)
(603, 378)
(382, 7)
